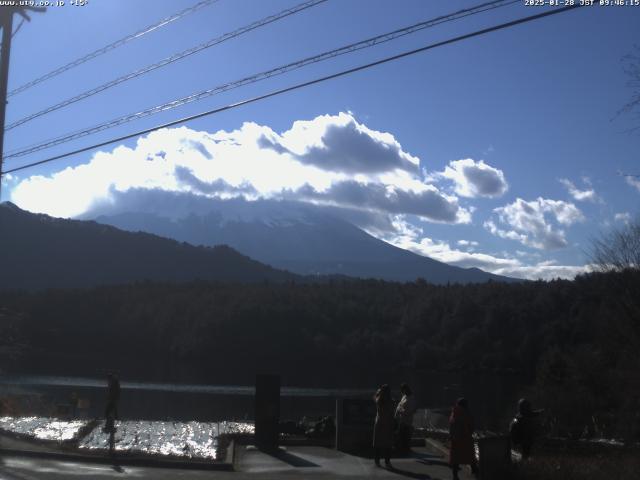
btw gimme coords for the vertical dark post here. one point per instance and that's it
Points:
(6, 17)
(339, 423)
(495, 458)
(267, 411)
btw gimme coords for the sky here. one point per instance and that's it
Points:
(502, 152)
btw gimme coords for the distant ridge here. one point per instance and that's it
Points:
(299, 238)
(38, 251)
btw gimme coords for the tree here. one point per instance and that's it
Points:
(619, 249)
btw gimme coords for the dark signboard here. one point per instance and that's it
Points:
(357, 411)
(267, 410)
(354, 424)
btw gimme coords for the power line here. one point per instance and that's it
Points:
(300, 85)
(370, 42)
(167, 61)
(112, 46)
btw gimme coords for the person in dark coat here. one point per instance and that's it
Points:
(461, 427)
(113, 398)
(383, 427)
(523, 427)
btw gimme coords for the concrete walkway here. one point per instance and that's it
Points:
(287, 463)
(306, 462)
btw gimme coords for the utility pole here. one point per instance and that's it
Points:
(6, 22)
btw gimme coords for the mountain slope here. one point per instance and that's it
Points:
(300, 239)
(38, 251)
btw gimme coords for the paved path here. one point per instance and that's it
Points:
(30, 468)
(288, 463)
(308, 462)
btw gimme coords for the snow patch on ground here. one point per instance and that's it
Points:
(42, 428)
(198, 440)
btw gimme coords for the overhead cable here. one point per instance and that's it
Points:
(281, 91)
(167, 61)
(112, 46)
(370, 42)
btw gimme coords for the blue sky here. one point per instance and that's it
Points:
(513, 135)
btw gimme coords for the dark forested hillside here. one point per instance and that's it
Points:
(39, 251)
(577, 341)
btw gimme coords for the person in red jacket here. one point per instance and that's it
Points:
(462, 450)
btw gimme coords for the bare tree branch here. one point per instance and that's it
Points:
(631, 67)
(619, 249)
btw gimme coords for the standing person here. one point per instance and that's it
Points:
(383, 427)
(404, 418)
(461, 434)
(522, 427)
(113, 397)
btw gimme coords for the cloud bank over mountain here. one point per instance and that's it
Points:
(333, 162)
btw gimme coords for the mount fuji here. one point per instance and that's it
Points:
(294, 236)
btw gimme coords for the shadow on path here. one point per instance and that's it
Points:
(289, 458)
(424, 456)
(426, 461)
(112, 450)
(409, 474)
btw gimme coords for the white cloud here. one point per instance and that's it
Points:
(427, 202)
(588, 195)
(467, 243)
(544, 272)
(475, 178)
(8, 180)
(634, 181)
(409, 237)
(330, 160)
(535, 223)
(624, 217)
(339, 143)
